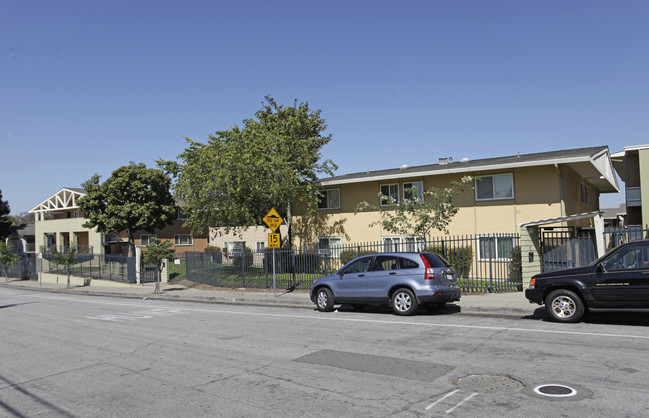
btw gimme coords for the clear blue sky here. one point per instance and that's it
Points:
(87, 86)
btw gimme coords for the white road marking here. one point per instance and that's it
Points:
(325, 317)
(442, 398)
(463, 401)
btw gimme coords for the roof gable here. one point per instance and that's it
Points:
(64, 199)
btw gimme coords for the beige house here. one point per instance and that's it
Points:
(507, 192)
(632, 165)
(59, 223)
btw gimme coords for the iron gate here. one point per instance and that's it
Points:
(566, 247)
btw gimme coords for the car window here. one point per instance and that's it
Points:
(631, 257)
(385, 262)
(405, 263)
(436, 260)
(358, 266)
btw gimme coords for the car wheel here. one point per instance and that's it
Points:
(404, 302)
(325, 300)
(564, 306)
(434, 307)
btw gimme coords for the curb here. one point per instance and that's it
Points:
(473, 310)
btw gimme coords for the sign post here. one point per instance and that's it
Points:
(273, 220)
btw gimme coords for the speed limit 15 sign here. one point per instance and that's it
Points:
(274, 240)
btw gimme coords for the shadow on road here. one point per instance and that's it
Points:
(635, 317)
(13, 305)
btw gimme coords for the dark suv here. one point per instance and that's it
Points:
(620, 279)
(403, 281)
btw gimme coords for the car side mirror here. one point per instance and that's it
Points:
(600, 268)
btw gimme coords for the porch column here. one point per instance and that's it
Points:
(598, 220)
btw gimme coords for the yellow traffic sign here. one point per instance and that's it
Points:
(274, 240)
(273, 220)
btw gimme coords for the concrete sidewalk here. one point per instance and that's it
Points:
(490, 304)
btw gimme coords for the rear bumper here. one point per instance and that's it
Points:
(534, 295)
(440, 295)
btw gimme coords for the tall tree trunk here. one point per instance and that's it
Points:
(289, 222)
(157, 280)
(131, 243)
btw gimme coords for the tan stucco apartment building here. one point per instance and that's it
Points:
(507, 192)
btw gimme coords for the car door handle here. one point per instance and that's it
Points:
(361, 275)
(392, 273)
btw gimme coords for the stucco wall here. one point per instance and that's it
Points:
(537, 195)
(67, 226)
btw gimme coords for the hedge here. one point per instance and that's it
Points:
(460, 258)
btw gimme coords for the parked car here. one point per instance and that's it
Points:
(403, 281)
(619, 279)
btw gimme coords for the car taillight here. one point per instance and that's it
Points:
(429, 273)
(533, 282)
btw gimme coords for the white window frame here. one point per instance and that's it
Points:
(325, 194)
(414, 244)
(148, 238)
(333, 249)
(177, 242)
(493, 186)
(409, 185)
(394, 244)
(496, 238)
(385, 201)
(263, 246)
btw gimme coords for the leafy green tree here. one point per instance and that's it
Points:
(133, 198)
(239, 174)
(66, 259)
(7, 257)
(5, 219)
(157, 252)
(418, 215)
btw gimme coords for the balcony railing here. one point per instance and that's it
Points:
(64, 249)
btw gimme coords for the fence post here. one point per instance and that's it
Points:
(243, 267)
(266, 267)
(293, 265)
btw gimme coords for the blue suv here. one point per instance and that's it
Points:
(403, 281)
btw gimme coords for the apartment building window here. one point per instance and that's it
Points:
(415, 244)
(496, 187)
(391, 244)
(181, 215)
(390, 194)
(145, 239)
(183, 239)
(496, 248)
(414, 191)
(331, 246)
(260, 246)
(585, 198)
(329, 199)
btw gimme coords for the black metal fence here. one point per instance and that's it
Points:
(484, 263)
(102, 266)
(23, 269)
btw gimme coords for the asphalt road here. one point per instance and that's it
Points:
(83, 356)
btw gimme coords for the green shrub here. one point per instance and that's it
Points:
(212, 249)
(460, 258)
(348, 255)
(516, 265)
(246, 258)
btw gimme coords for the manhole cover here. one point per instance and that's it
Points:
(559, 391)
(489, 384)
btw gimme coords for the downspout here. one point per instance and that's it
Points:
(562, 196)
